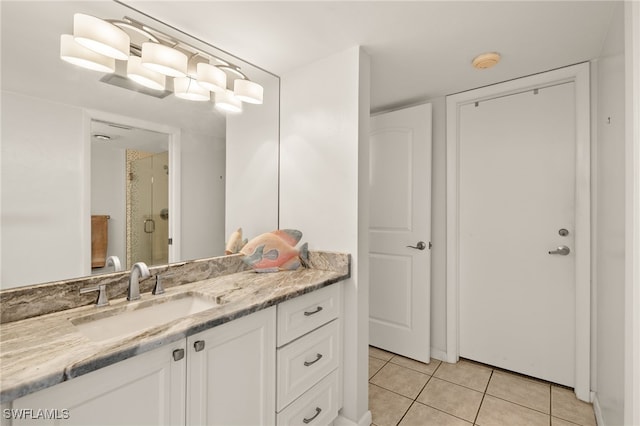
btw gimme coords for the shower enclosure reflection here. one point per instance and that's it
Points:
(147, 199)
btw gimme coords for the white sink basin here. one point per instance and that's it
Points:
(138, 316)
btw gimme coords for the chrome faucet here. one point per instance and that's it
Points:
(139, 271)
(115, 262)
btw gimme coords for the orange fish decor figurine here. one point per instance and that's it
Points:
(276, 251)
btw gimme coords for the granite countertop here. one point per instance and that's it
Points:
(40, 352)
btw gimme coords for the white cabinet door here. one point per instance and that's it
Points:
(148, 389)
(231, 372)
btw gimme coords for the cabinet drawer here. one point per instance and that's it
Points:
(305, 313)
(304, 362)
(318, 406)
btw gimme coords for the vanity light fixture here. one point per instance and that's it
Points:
(101, 36)
(74, 53)
(248, 91)
(164, 59)
(152, 56)
(188, 88)
(144, 76)
(243, 88)
(211, 77)
(226, 101)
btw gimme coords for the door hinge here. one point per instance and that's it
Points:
(170, 241)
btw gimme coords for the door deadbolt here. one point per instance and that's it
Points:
(563, 232)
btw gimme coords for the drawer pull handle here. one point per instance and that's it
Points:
(308, 314)
(310, 419)
(199, 345)
(178, 354)
(318, 357)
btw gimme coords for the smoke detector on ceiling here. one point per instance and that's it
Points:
(486, 60)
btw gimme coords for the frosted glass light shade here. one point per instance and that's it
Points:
(144, 76)
(101, 36)
(248, 91)
(211, 77)
(188, 88)
(76, 54)
(164, 59)
(226, 101)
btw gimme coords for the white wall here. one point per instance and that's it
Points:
(252, 165)
(324, 188)
(202, 188)
(609, 225)
(632, 207)
(108, 196)
(438, 231)
(43, 154)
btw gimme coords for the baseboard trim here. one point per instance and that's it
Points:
(343, 421)
(597, 410)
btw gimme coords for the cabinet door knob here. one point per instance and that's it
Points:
(178, 354)
(199, 345)
(308, 363)
(310, 419)
(308, 314)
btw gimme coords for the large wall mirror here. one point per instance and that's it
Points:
(170, 178)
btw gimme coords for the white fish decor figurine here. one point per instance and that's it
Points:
(276, 251)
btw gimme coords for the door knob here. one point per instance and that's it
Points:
(420, 246)
(561, 250)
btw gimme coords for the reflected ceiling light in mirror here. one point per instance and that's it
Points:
(164, 59)
(188, 88)
(144, 76)
(211, 77)
(248, 91)
(101, 36)
(233, 73)
(226, 101)
(76, 54)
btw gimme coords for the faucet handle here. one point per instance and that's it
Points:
(158, 289)
(102, 295)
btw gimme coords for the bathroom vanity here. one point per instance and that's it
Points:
(268, 350)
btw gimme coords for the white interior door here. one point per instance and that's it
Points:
(516, 205)
(400, 216)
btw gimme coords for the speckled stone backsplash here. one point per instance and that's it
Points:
(40, 299)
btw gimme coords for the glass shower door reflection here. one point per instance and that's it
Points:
(147, 201)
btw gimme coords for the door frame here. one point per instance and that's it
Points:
(174, 134)
(579, 74)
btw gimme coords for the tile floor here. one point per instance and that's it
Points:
(404, 392)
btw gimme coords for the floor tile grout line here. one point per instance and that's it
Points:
(445, 412)
(405, 413)
(520, 405)
(484, 394)
(457, 384)
(389, 390)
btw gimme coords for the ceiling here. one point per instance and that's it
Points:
(419, 49)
